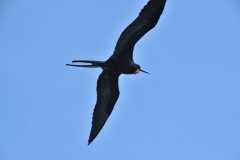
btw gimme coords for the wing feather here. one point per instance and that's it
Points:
(107, 95)
(147, 19)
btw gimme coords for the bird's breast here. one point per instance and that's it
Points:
(123, 66)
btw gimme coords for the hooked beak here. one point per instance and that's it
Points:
(137, 71)
(143, 71)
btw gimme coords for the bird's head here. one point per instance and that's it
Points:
(138, 69)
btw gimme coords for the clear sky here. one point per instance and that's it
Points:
(188, 108)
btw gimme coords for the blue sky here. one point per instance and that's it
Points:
(188, 107)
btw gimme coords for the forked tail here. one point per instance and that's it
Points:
(94, 64)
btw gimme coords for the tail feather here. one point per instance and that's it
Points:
(86, 66)
(87, 61)
(94, 64)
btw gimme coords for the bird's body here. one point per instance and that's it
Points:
(121, 62)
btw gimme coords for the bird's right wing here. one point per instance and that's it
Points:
(147, 19)
(107, 95)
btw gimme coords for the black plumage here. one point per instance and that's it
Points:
(121, 62)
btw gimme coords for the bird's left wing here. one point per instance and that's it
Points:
(107, 95)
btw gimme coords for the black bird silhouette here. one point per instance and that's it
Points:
(121, 62)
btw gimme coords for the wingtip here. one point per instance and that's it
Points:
(89, 142)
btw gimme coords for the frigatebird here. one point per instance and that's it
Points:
(121, 62)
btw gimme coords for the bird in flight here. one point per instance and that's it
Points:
(120, 62)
